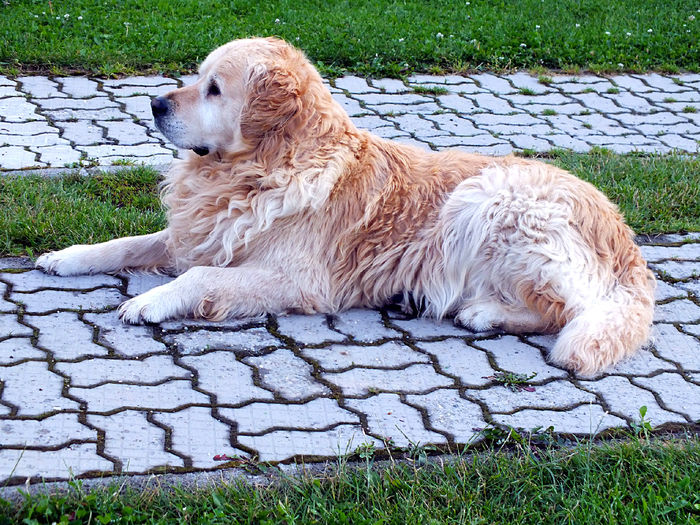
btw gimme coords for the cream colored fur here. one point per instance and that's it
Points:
(295, 209)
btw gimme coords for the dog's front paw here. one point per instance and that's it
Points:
(153, 306)
(71, 261)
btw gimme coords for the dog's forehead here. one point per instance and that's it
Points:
(236, 53)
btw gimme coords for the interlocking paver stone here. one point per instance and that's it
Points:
(36, 280)
(557, 394)
(682, 311)
(363, 325)
(112, 396)
(65, 336)
(52, 431)
(251, 341)
(316, 414)
(513, 355)
(308, 329)
(584, 419)
(124, 339)
(34, 389)
(151, 370)
(10, 327)
(414, 378)
(390, 419)
(231, 381)
(285, 444)
(625, 399)
(286, 374)
(17, 349)
(80, 87)
(55, 464)
(195, 433)
(457, 358)
(134, 441)
(677, 347)
(422, 328)
(49, 300)
(450, 413)
(676, 393)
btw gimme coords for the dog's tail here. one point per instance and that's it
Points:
(616, 323)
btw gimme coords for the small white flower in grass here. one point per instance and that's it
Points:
(537, 27)
(650, 30)
(58, 18)
(298, 39)
(469, 3)
(628, 33)
(578, 25)
(523, 45)
(620, 65)
(691, 17)
(80, 18)
(439, 35)
(277, 20)
(401, 39)
(66, 15)
(607, 33)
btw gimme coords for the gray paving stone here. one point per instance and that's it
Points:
(80, 87)
(354, 84)
(137, 443)
(165, 396)
(10, 327)
(415, 124)
(450, 413)
(455, 124)
(549, 100)
(630, 119)
(515, 356)
(497, 150)
(18, 109)
(65, 336)
(585, 419)
(554, 395)
(286, 374)
(417, 378)
(55, 464)
(641, 363)
(138, 107)
(16, 157)
(632, 84)
(524, 80)
(119, 151)
(680, 311)
(514, 121)
(316, 414)
(692, 329)
(676, 393)
(692, 286)
(251, 341)
(81, 133)
(369, 122)
(16, 349)
(628, 140)
(195, 433)
(625, 399)
(632, 102)
(390, 132)
(43, 139)
(493, 83)
(660, 82)
(363, 325)
(390, 85)
(423, 328)
(135, 91)
(142, 282)
(126, 132)
(34, 389)
(57, 156)
(677, 347)
(227, 324)
(350, 105)
(286, 444)
(49, 300)
(52, 431)
(140, 81)
(4, 81)
(457, 103)
(40, 87)
(683, 96)
(112, 113)
(505, 131)
(37, 280)
(457, 358)
(308, 329)
(390, 419)
(659, 253)
(389, 355)
(680, 143)
(151, 370)
(31, 128)
(124, 339)
(595, 102)
(490, 103)
(529, 142)
(398, 109)
(220, 374)
(76, 103)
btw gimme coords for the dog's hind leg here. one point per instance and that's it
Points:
(487, 314)
(145, 252)
(217, 293)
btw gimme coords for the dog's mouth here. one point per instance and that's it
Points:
(201, 151)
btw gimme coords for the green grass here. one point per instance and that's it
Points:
(378, 37)
(631, 482)
(655, 193)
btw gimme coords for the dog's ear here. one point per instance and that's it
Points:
(273, 99)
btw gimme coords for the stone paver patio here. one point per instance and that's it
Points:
(83, 395)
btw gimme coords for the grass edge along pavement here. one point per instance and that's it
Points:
(656, 193)
(642, 480)
(378, 38)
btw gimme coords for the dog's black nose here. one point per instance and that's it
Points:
(159, 106)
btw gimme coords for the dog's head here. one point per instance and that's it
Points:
(247, 90)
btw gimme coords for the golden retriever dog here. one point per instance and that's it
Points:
(284, 205)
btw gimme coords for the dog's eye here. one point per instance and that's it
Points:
(214, 90)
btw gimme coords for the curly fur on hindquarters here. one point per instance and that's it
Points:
(295, 209)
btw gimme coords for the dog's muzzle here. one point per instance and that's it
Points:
(160, 106)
